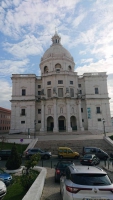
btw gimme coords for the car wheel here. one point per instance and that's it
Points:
(105, 157)
(46, 157)
(61, 157)
(76, 157)
(55, 179)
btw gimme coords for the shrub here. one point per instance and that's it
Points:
(14, 161)
(27, 180)
(29, 175)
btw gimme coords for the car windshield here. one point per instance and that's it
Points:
(91, 179)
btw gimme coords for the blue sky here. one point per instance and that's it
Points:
(26, 28)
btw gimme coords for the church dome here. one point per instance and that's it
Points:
(56, 49)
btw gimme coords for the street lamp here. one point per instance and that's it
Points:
(104, 126)
(34, 128)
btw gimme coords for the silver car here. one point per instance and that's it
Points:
(86, 183)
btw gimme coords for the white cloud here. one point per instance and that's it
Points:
(29, 46)
(78, 20)
(9, 67)
(5, 94)
(89, 60)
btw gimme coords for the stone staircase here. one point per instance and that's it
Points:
(75, 145)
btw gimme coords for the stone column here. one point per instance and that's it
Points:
(42, 117)
(55, 129)
(69, 129)
(79, 114)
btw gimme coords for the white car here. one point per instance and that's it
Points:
(3, 189)
(86, 183)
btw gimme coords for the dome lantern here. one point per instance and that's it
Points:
(56, 38)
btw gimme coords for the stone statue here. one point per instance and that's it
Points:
(54, 90)
(42, 92)
(67, 90)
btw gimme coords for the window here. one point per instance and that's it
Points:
(22, 111)
(82, 110)
(49, 83)
(71, 92)
(39, 121)
(60, 92)
(80, 91)
(23, 92)
(60, 82)
(22, 122)
(99, 120)
(71, 82)
(57, 70)
(39, 86)
(79, 85)
(39, 92)
(82, 120)
(98, 109)
(39, 111)
(49, 92)
(96, 91)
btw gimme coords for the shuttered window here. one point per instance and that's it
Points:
(71, 92)
(60, 92)
(49, 92)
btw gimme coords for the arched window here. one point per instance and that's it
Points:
(57, 67)
(45, 69)
(69, 67)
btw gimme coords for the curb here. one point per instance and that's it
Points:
(35, 191)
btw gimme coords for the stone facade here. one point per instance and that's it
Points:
(59, 100)
(5, 117)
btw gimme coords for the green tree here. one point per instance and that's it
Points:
(14, 161)
(28, 174)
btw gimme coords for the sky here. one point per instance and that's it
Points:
(26, 28)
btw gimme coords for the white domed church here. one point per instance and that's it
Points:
(59, 100)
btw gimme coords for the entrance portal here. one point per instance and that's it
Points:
(73, 123)
(50, 124)
(61, 123)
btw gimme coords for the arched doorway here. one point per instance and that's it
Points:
(73, 123)
(50, 123)
(62, 123)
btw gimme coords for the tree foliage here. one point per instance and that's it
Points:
(14, 161)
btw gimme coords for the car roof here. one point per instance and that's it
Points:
(86, 170)
(64, 148)
(92, 147)
(87, 155)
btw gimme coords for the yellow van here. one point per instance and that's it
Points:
(66, 152)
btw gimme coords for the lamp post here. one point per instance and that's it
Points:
(104, 126)
(34, 128)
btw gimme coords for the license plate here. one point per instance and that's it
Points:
(85, 160)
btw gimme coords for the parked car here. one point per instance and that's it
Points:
(90, 159)
(85, 182)
(61, 167)
(3, 189)
(66, 152)
(5, 177)
(43, 154)
(97, 151)
(4, 154)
